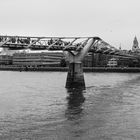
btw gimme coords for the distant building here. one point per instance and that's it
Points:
(135, 47)
(112, 62)
(5, 59)
(50, 58)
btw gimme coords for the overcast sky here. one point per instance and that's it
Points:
(115, 21)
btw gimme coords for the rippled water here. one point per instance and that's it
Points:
(36, 106)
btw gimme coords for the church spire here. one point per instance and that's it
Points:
(135, 42)
(120, 47)
(135, 46)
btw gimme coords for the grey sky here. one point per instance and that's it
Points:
(115, 21)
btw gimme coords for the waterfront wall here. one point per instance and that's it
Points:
(65, 69)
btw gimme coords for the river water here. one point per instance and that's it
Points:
(36, 106)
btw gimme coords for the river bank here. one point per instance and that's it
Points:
(63, 69)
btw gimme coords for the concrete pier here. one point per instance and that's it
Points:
(75, 76)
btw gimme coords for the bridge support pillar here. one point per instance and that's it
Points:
(75, 76)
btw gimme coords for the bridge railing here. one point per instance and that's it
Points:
(22, 42)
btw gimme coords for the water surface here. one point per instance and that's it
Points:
(36, 106)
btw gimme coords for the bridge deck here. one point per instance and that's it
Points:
(62, 43)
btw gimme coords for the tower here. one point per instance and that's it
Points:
(120, 47)
(135, 46)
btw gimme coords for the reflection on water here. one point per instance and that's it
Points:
(74, 113)
(74, 105)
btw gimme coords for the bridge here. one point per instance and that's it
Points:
(74, 48)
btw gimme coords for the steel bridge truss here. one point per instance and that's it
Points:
(71, 44)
